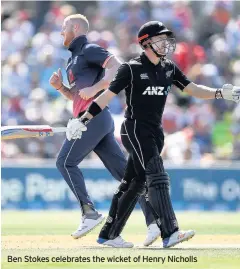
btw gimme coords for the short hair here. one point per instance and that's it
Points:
(80, 18)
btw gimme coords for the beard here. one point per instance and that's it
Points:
(68, 39)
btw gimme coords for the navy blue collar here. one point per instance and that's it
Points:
(77, 43)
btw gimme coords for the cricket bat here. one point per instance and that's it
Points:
(24, 131)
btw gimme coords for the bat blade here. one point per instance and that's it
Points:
(24, 131)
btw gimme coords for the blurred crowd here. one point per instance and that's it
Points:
(208, 51)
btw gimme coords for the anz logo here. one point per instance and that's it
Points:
(151, 90)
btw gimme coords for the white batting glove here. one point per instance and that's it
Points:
(230, 92)
(74, 129)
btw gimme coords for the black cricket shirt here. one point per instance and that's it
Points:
(146, 87)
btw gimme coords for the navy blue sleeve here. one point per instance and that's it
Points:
(179, 79)
(96, 55)
(122, 79)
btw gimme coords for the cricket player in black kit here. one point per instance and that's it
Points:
(147, 81)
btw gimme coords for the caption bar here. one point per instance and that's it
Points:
(104, 259)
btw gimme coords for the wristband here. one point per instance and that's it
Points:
(218, 94)
(60, 87)
(94, 109)
(84, 120)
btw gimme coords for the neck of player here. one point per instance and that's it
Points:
(153, 58)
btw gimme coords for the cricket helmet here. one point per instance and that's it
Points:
(155, 28)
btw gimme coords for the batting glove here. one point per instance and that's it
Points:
(230, 92)
(74, 129)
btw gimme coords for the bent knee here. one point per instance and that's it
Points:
(60, 163)
(138, 186)
(64, 162)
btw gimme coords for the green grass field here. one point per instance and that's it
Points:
(47, 234)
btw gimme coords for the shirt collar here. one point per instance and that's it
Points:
(77, 42)
(146, 60)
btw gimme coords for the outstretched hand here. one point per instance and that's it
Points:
(230, 92)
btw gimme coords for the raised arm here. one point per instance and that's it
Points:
(56, 81)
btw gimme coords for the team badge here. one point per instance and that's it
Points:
(169, 73)
(144, 76)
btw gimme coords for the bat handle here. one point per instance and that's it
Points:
(59, 129)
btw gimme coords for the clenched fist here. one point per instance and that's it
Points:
(87, 93)
(56, 79)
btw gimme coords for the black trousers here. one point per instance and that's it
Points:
(142, 142)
